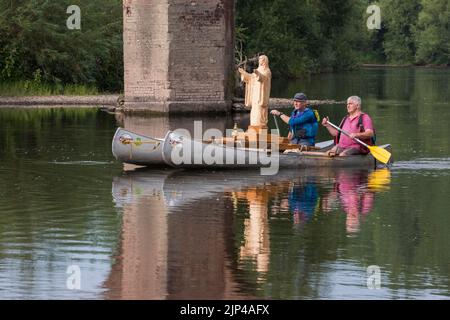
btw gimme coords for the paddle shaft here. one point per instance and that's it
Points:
(348, 134)
(276, 123)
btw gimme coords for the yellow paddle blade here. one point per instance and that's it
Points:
(380, 154)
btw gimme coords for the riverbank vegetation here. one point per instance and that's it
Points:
(38, 52)
(30, 87)
(302, 36)
(39, 55)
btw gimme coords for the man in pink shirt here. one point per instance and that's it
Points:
(358, 124)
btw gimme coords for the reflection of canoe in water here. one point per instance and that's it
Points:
(176, 150)
(179, 187)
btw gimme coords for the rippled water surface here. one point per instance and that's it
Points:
(68, 209)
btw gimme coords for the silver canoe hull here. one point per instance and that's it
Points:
(179, 151)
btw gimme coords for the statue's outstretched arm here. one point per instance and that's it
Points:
(245, 76)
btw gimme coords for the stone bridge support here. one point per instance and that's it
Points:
(178, 55)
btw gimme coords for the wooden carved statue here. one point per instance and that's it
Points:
(257, 92)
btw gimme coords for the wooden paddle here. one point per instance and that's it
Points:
(378, 153)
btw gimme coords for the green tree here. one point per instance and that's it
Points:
(399, 20)
(433, 33)
(302, 36)
(344, 33)
(273, 27)
(36, 41)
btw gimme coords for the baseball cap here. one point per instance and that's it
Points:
(300, 97)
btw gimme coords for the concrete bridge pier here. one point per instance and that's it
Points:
(178, 55)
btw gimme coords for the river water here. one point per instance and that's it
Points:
(76, 224)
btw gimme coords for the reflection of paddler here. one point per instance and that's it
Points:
(354, 199)
(355, 192)
(303, 199)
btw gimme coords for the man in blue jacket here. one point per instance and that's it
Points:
(302, 123)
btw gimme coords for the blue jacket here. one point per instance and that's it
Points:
(304, 124)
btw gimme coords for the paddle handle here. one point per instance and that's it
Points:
(347, 134)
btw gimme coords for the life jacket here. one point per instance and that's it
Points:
(369, 141)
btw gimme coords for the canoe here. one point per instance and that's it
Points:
(181, 151)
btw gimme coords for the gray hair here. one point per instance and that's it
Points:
(356, 100)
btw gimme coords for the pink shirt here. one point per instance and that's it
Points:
(351, 126)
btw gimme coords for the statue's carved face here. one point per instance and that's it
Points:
(263, 61)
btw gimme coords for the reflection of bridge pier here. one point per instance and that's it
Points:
(169, 252)
(141, 269)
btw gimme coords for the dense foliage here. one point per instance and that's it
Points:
(303, 36)
(36, 45)
(299, 36)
